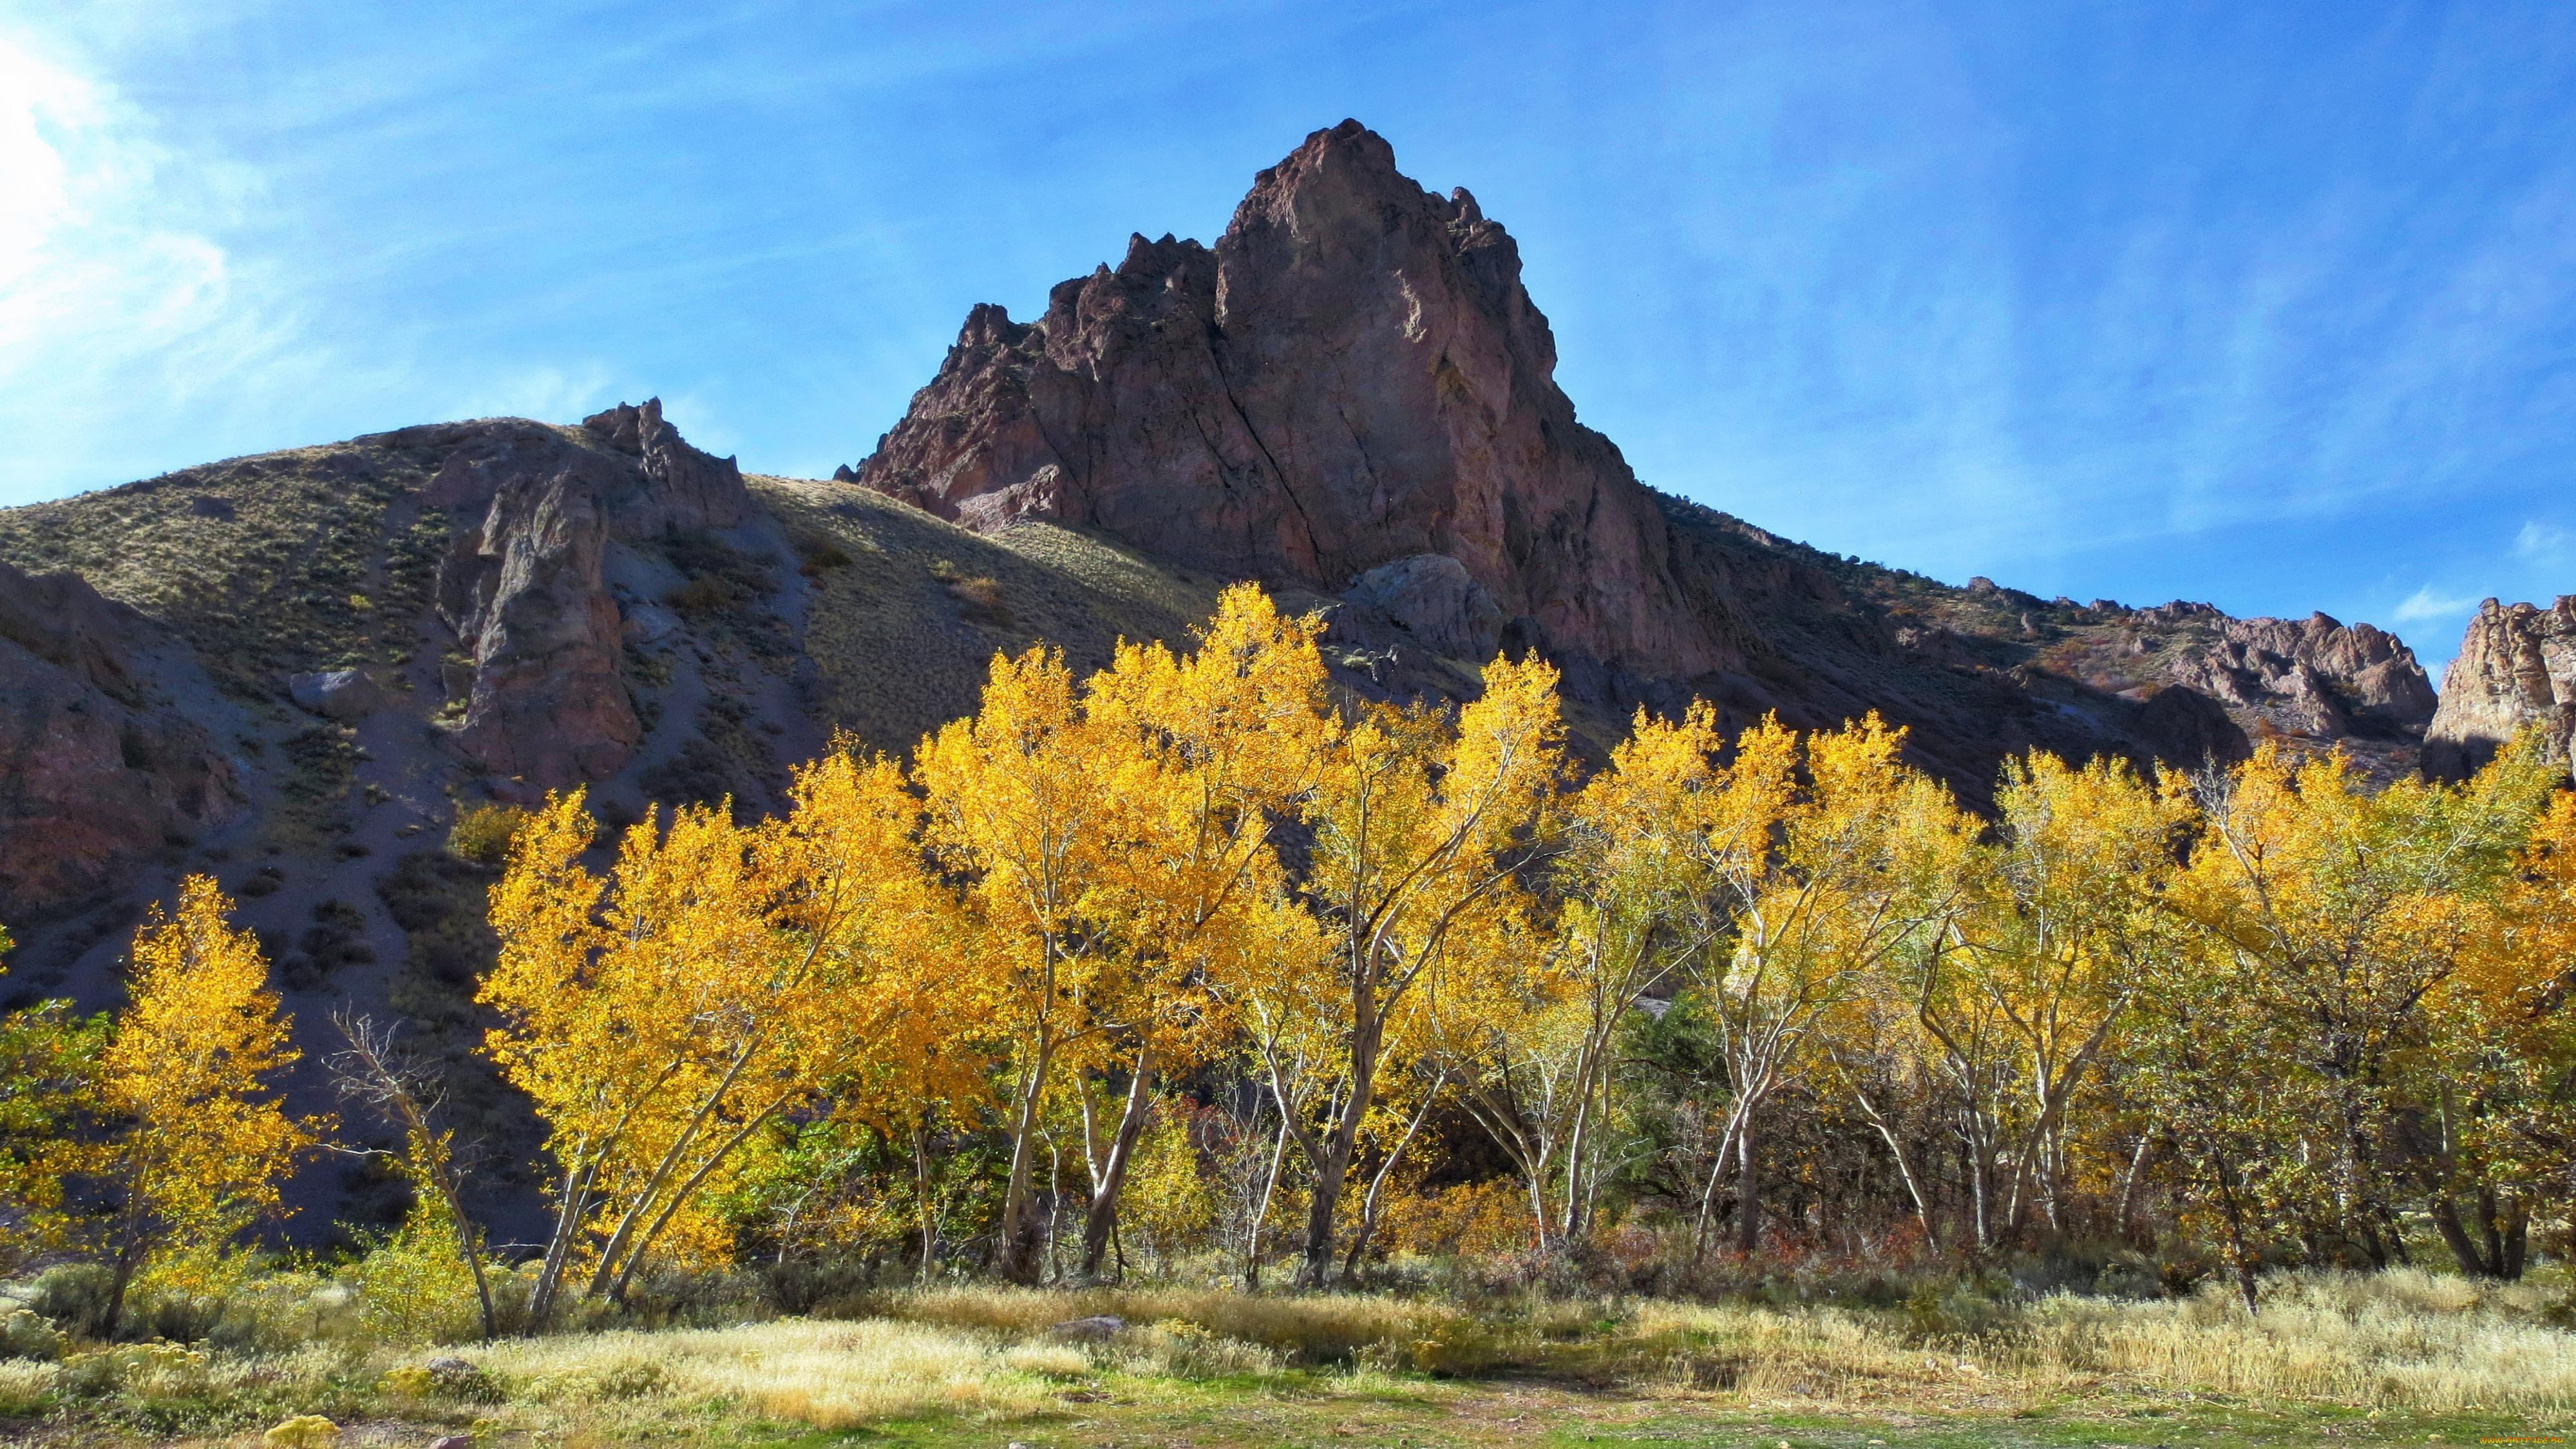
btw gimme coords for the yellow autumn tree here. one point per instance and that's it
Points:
(1881, 1055)
(715, 977)
(1018, 807)
(1641, 842)
(205, 1142)
(1197, 756)
(1803, 851)
(2065, 910)
(2502, 1129)
(2339, 910)
(1513, 1024)
(1420, 824)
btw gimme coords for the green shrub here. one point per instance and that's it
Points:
(24, 1334)
(415, 1287)
(74, 1297)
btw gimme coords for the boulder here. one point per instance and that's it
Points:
(1432, 597)
(346, 695)
(1095, 1328)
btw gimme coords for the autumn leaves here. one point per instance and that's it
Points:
(2290, 1012)
(168, 1120)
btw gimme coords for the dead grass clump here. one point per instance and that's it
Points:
(979, 601)
(2402, 1340)
(830, 1375)
(2399, 1339)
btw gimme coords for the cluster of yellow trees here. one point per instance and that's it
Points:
(2267, 1006)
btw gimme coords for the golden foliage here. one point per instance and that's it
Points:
(207, 1143)
(48, 1133)
(716, 976)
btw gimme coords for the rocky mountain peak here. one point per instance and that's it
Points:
(1352, 375)
(1352, 394)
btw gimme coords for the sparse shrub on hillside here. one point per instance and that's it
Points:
(702, 595)
(818, 554)
(335, 939)
(323, 760)
(482, 833)
(438, 901)
(718, 576)
(980, 598)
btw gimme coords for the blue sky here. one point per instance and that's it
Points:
(2269, 305)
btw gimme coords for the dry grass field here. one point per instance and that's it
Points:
(2401, 1357)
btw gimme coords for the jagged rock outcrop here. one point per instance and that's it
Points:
(1352, 393)
(2516, 668)
(97, 769)
(1353, 375)
(2314, 676)
(683, 487)
(524, 587)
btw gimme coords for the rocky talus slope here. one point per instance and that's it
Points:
(2516, 668)
(294, 670)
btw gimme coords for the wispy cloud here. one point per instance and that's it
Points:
(554, 393)
(2426, 606)
(2545, 542)
(121, 308)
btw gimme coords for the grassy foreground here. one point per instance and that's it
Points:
(2333, 1359)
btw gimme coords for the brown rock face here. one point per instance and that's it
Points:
(523, 589)
(2312, 676)
(2516, 668)
(1353, 375)
(95, 771)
